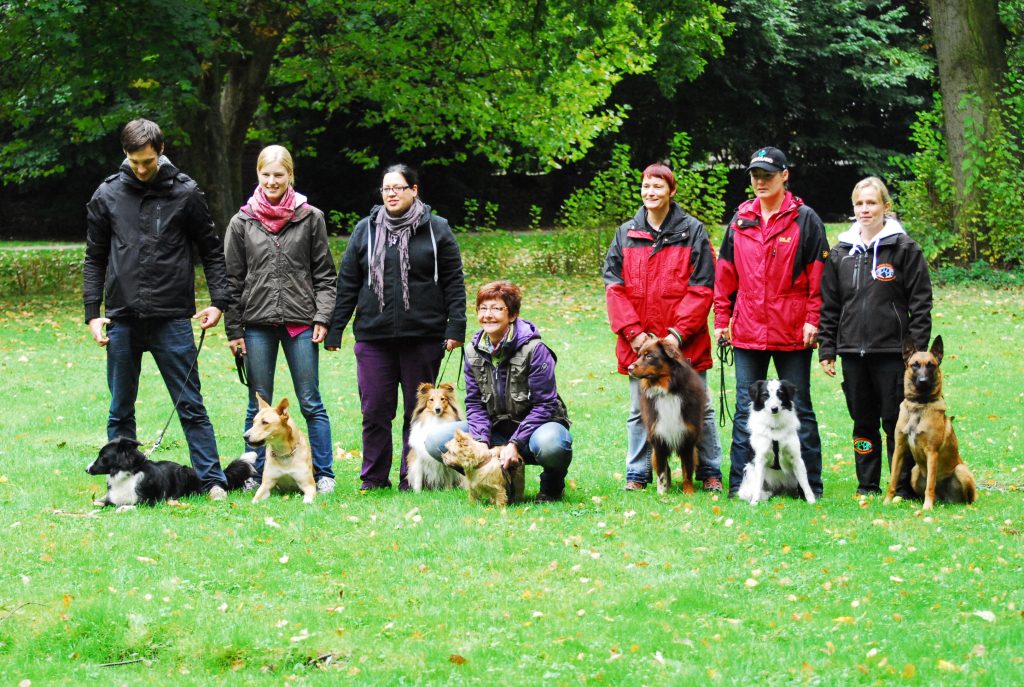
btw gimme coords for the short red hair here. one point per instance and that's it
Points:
(504, 291)
(661, 171)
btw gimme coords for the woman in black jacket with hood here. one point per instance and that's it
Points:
(401, 276)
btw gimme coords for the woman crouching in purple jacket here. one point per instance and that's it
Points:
(511, 396)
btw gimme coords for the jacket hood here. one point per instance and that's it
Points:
(522, 331)
(851, 236)
(165, 172)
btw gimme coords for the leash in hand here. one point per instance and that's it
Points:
(184, 385)
(726, 358)
(444, 366)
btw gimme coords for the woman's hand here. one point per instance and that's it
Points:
(319, 333)
(829, 366)
(237, 346)
(509, 456)
(722, 333)
(638, 341)
(810, 336)
(452, 344)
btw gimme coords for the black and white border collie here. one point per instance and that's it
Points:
(777, 466)
(134, 479)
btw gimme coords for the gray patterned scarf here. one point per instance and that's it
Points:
(392, 230)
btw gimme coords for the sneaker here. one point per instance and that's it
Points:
(634, 486)
(544, 497)
(251, 484)
(325, 485)
(217, 493)
(713, 484)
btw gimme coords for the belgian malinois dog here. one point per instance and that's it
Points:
(925, 433)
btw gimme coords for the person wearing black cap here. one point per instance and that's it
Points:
(768, 301)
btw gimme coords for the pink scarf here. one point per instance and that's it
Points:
(273, 217)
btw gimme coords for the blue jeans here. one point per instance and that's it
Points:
(638, 451)
(795, 367)
(173, 347)
(549, 447)
(303, 356)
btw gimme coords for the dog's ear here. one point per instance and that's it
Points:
(909, 349)
(424, 387)
(282, 407)
(789, 388)
(754, 391)
(262, 404)
(936, 348)
(448, 387)
(125, 444)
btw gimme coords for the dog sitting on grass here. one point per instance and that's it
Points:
(488, 480)
(289, 460)
(434, 406)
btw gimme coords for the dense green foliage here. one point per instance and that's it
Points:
(984, 221)
(606, 588)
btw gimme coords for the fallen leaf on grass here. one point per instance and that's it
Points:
(283, 559)
(909, 671)
(457, 659)
(947, 666)
(987, 616)
(270, 522)
(145, 559)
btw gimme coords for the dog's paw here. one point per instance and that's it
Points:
(100, 502)
(123, 509)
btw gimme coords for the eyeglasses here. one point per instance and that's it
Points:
(496, 309)
(397, 190)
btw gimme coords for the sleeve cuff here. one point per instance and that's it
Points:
(92, 311)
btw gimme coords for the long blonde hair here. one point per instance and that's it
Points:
(276, 153)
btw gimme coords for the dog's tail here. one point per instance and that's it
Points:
(240, 470)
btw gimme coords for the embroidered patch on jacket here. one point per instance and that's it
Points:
(824, 255)
(885, 272)
(862, 446)
(785, 239)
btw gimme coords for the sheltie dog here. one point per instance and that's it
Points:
(134, 479)
(777, 466)
(672, 400)
(487, 479)
(289, 461)
(434, 406)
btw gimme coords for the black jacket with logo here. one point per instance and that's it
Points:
(873, 298)
(138, 254)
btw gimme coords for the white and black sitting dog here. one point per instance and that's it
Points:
(777, 466)
(134, 479)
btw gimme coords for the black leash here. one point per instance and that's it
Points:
(160, 438)
(458, 374)
(240, 366)
(725, 359)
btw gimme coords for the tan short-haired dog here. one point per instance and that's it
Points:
(488, 481)
(925, 433)
(289, 461)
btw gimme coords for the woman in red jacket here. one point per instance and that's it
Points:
(768, 300)
(658, 275)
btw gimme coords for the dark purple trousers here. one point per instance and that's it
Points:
(381, 367)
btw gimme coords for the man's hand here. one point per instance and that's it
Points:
(671, 346)
(208, 317)
(638, 341)
(810, 336)
(829, 366)
(509, 456)
(96, 326)
(452, 344)
(237, 345)
(722, 333)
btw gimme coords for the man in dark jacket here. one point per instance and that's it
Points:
(142, 224)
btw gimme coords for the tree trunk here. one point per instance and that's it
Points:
(971, 56)
(230, 88)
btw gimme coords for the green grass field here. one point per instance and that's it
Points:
(608, 587)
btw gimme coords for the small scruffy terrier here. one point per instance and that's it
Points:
(488, 481)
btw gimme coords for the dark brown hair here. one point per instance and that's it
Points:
(501, 291)
(139, 133)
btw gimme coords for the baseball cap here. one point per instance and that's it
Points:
(770, 159)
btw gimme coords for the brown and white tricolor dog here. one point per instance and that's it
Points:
(773, 424)
(487, 479)
(434, 406)
(672, 399)
(289, 461)
(925, 433)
